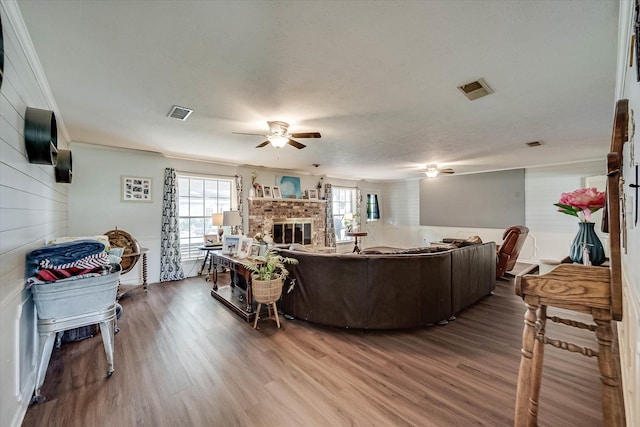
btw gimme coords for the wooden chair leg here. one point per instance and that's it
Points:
(526, 367)
(275, 312)
(608, 361)
(536, 367)
(255, 322)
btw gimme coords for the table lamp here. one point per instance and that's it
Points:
(217, 220)
(232, 219)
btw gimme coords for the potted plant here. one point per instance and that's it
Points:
(268, 273)
(269, 267)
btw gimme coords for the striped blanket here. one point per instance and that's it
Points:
(83, 258)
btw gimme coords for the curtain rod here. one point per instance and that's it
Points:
(205, 174)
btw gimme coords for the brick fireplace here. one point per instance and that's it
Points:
(264, 213)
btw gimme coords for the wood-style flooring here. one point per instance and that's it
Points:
(183, 359)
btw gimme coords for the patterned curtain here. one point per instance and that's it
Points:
(170, 260)
(358, 224)
(240, 198)
(331, 231)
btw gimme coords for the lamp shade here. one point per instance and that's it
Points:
(231, 218)
(348, 217)
(217, 219)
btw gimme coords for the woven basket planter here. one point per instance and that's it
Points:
(265, 291)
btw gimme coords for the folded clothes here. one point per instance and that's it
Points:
(56, 275)
(91, 261)
(53, 274)
(62, 253)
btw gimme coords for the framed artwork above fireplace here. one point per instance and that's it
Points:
(289, 186)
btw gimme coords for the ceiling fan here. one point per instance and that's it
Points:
(280, 136)
(432, 171)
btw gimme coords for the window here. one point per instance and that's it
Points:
(344, 202)
(373, 211)
(199, 198)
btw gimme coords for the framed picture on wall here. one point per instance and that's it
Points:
(135, 189)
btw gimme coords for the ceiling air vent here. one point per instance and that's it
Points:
(475, 90)
(180, 113)
(534, 143)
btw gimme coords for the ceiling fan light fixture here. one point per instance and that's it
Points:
(278, 141)
(432, 171)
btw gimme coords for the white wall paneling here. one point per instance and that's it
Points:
(33, 207)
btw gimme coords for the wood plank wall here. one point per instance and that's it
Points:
(33, 207)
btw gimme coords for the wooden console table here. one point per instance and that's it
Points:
(240, 302)
(594, 290)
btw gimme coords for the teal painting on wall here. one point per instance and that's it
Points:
(289, 186)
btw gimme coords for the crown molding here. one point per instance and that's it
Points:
(17, 25)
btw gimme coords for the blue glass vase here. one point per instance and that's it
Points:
(587, 235)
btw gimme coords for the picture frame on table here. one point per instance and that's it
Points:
(267, 192)
(276, 193)
(255, 250)
(135, 188)
(244, 247)
(313, 194)
(230, 244)
(211, 239)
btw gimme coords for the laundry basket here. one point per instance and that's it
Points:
(72, 303)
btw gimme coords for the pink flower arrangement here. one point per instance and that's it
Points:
(581, 203)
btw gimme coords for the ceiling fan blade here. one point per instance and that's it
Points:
(306, 135)
(244, 133)
(295, 144)
(264, 144)
(447, 171)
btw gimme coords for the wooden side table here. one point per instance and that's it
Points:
(142, 253)
(356, 234)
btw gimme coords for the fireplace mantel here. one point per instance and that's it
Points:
(268, 199)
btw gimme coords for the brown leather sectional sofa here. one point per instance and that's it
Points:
(389, 290)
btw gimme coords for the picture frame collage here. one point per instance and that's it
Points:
(135, 189)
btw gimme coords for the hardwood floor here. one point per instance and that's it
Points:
(182, 359)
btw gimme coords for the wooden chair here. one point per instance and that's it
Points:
(596, 291)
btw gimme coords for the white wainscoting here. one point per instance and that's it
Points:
(33, 208)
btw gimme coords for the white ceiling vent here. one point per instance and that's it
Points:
(476, 89)
(534, 143)
(180, 113)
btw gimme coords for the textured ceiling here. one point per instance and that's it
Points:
(377, 79)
